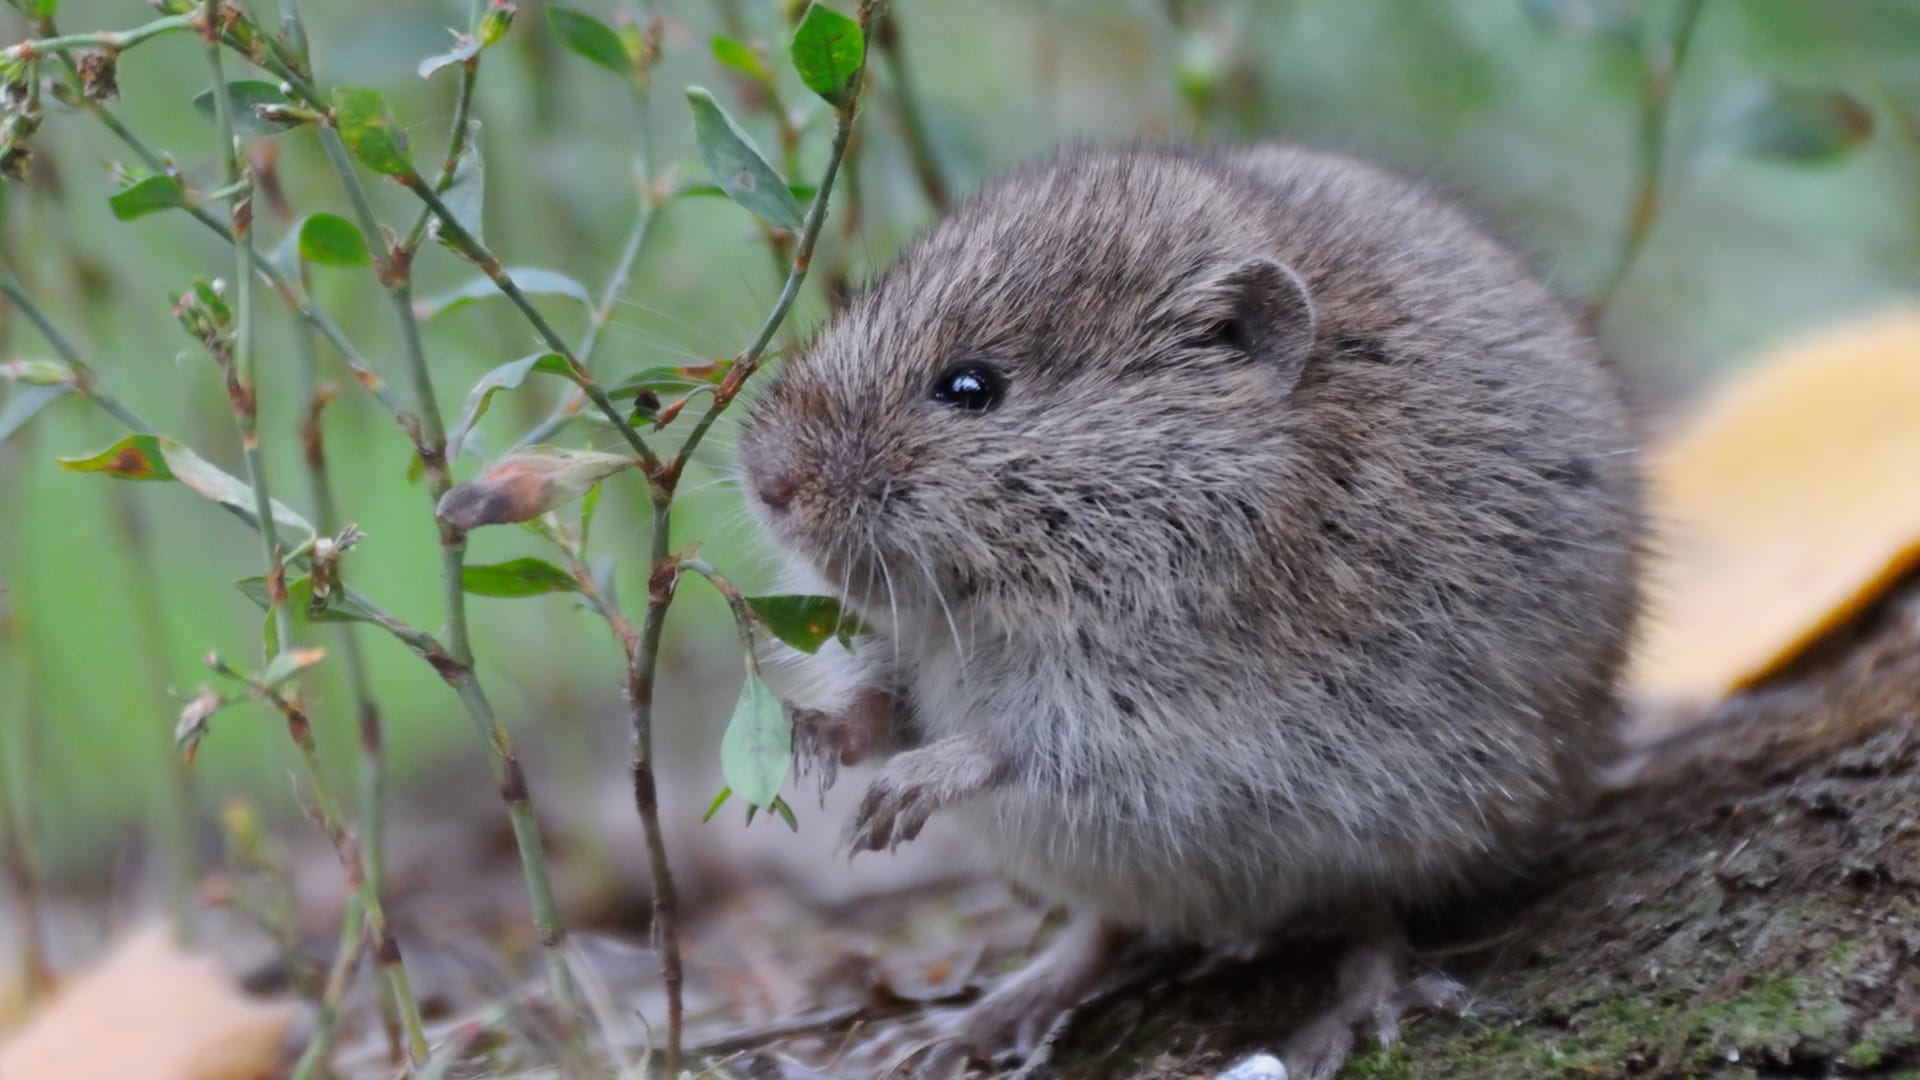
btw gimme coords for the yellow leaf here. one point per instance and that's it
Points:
(149, 1011)
(1784, 508)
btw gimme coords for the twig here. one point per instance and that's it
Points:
(616, 288)
(644, 664)
(367, 722)
(325, 812)
(470, 246)
(110, 40)
(455, 664)
(1660, 66)
(346, 960)
(245, 402)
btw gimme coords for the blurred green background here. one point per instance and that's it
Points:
(1527, 111)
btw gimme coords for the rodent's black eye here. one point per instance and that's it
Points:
(971, 385)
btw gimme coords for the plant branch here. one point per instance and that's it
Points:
(1659, 68)
(325, 811)
(471, 247)
(570, 404)
(750, 358)
(110, 40)
(643, 664)
(455, 664)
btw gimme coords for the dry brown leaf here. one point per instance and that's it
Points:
(1785, 507)
(149, 1011)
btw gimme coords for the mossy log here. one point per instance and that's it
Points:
(1748, 905)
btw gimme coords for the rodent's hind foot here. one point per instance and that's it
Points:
(1373, 997)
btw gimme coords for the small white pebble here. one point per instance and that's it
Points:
(1256, 1067)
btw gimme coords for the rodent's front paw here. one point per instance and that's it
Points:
(820, 743)
(895, 810)
(915, 784)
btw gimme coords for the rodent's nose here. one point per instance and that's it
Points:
(775, 487)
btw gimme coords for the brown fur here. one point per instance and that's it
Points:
(1323, 613)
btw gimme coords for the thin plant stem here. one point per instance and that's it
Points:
(242, 391)
(295, 300)
(346, 961)
(455, 664)
(89, 384)
(245, 403)
(736, 603)
(110, 40)
(367, 721)
(462, 134)
(644, 662)
(325, 811)
(471, 247)
(913, 121)
(569, 405)
(1660, 67)
(642, 667)
(750, 358)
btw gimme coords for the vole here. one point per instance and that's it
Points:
(1250, 542)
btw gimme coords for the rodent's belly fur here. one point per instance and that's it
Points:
(1209, 822)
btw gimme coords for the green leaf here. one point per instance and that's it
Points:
(1805, 125)
(210, 482)
(467, 191)
(671, 380)
(25, 403)
(828, 52)
(737, 165)
(136, 457)
(517, 577)
(43, 9)
(804, 622)
(589, 505)
(757, 748)
(147, 195)
(801, 192)
(331, 240)
(504, 377)
(719, 801)
(740, 58)
(1614, 20)
(156, 457)
(368, 130)
(526, 484)
(786, 813)
(588, 37)
(530, 279)
(242, 96)
(286, 665)
(339, 608)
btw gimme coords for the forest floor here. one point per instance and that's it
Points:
(1745, 903)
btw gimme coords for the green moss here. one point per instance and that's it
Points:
(1382, 1063)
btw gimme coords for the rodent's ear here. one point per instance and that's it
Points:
(1262, 308)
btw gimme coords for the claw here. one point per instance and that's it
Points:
(1374, 997)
